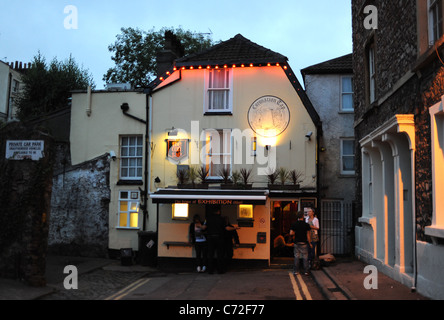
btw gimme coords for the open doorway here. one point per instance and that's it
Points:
(283, 215)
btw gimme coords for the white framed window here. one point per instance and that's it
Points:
(180, 211)
(129, 204)
(437, 131)
(131, 157)
(348, 156)
(347, 94)
(435, 20)
(218, 151)
(371, 73)
(218, 87)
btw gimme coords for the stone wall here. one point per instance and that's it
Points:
(421, 85)
(80, 198)
(25, 193)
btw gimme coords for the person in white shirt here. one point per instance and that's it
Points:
(314, 226)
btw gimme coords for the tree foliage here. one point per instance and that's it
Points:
(134, 53)
(47, 87)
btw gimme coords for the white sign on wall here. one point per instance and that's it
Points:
(24, 149)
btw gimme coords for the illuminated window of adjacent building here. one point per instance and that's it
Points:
(435, 20)
(218, 90)
(129, 209)
(131, 156)
(217, 151)
(347, 156)
(347, 94)
(180, 211)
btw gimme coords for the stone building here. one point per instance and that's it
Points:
(398, 73)
(329, 86)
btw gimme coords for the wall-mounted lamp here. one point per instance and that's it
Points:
(157, 180)
(112, 155)
(268, 147)
(172, 132)
(308, 135)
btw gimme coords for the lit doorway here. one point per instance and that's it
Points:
(283, 215)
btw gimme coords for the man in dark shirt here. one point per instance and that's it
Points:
(215, 226)
(301, 232)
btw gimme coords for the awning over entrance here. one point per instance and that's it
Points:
(210, 196)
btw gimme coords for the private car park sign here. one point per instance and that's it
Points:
(24, 149)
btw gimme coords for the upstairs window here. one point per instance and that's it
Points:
(218, 91)
(347, 94)
(131, 148)
(347, 156)
(435, 20)
(371, 73)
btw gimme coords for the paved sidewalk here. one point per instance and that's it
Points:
(348, 274)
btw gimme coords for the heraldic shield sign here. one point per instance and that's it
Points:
(177, 149)
(269, 116)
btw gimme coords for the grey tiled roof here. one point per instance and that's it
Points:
(342, 64)
(236, 50)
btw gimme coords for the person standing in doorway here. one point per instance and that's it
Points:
(302, 240)
(199, 241)
(215, 227)
(313, 222)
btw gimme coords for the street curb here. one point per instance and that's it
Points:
(344, 289)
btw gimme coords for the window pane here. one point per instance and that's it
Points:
(123, 220)
(123, 206)
(347, 102)
(348, 163)
(348, 147)
(347, 85)
(134, 220)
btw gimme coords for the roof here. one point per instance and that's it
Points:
(236, 50)
(342, 64)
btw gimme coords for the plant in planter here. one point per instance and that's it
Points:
(236, 177)
(182, 177)
(245, 177)
(272, 175)
(202, 173)
(283, 175)
(192, 175)
(295, 177)
(225, 174)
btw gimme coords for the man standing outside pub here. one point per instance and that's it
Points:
(302, 239)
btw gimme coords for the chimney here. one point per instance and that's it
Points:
(172, 50)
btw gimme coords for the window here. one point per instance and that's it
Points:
(218, 91)
(217, 151)
(437, 130)
(435, 20)
(371, 74)
(129, 209)
(347, 94)
(180, 211)
(347, 156)
(131, 156)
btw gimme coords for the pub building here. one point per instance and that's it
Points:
(220, 123)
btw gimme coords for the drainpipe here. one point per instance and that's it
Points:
(125, 108)
(88, 102)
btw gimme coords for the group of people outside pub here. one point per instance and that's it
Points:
(214, 239)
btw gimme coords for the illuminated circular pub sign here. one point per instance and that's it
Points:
(269, 116)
